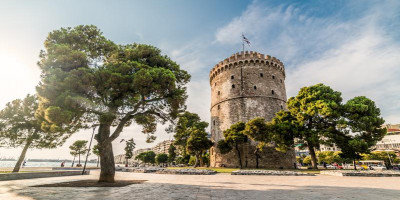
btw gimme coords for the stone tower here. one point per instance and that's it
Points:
(244, 86)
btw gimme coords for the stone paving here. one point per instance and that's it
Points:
(219, 186)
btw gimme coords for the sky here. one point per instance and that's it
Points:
(352, 46)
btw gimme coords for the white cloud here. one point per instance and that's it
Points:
(356, 56)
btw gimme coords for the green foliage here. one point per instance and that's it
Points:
(187, 122)
(161, 158)
(234, 137)
(147, 157)
(384, 156)
(20, 125)
(192, 160)
(329, 157)
(198, 142)
(316, 110)
(87, 79)
(95, 150)
(258, 130)
(129, 147)
(171, 153)
(307, 160)
(183, 159)
(224, 147)
(78, 147)
(360, 128)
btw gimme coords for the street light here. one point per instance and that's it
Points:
(90, 144)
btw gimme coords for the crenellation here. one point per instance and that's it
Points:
(243, 58)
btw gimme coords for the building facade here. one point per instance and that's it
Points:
(244, 86)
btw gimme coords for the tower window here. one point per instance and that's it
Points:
(281, 107)
(233, 86)
(273, 77)
(219, 92)
(214, 122)
(273, 92)
(219, 107)
(281, 81)
(232, 77)
(215, 84)
(261, 75)
(255, 87)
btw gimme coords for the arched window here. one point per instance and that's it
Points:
(261, 75)
(255, 87)
(273, 92)
(214, 122)
(219, 107)
(281, 81)
(233, 86)
(281, 107)
(232, 77)
(215, 84)
(273, 77)
(219, 92)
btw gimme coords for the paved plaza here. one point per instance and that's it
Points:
(220, 186)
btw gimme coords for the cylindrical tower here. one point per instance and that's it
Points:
(244, 86)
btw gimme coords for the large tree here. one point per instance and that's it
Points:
(198, 144)
(234, 138)
(78, 148)
(360, 128)
(22, 127)
(186, 122)
(317, 110)
(171, 153)
(129, 147)
(87, 79)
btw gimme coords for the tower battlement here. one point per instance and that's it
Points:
(245, 57)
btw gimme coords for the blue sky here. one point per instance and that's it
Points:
(352, 46)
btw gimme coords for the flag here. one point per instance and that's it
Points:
(245, 39)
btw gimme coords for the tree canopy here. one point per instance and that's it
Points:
(78, 148)
(147, 157)
(187, 122)
(87, 79)
(161, 158)
(20, 125)
(233, 139)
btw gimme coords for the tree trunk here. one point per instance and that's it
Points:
(201, 161)
(257, 157)
(313, 157)
(73, 161)
(239, 157)
(107, 164)
(79, 160)
(197, 160)
(98, 160)
(354, 163)
(21, 157)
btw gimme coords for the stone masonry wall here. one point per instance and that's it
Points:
(244, 86)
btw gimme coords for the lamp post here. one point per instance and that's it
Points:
(387, 152)
(90, 144)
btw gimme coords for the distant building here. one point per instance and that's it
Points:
(333, 147)
(389, 143)
(392, 129)
(162, 147)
